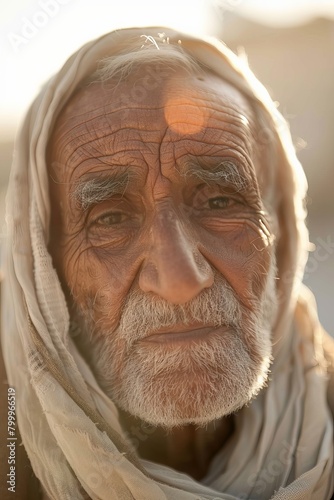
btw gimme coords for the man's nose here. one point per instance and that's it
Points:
(174, 268)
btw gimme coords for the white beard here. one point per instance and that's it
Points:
(197, 383)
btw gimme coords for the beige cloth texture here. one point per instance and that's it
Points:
(282, 447)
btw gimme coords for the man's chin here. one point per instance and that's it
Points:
(184, 415)
(196, 397)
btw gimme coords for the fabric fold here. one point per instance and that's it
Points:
(282, 447)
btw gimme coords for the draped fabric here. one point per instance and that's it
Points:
(282, 447)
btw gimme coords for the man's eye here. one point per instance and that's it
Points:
(220, 202)
(111, 219)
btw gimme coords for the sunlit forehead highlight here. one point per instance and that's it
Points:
(244, 120)
(184, 116)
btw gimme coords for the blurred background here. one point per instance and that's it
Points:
(290, 47)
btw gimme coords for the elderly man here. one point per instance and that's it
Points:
(156, 332)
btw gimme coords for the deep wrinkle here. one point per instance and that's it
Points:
(168, 236)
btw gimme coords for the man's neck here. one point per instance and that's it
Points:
(187, 449)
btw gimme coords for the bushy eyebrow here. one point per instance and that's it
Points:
(224, 173)
(92, 191)
(88, 192)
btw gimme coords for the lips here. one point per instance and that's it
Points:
(184, 334)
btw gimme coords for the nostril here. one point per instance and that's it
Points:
(176, 283)
(148, 277)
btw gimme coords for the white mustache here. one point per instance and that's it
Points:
(143, 315)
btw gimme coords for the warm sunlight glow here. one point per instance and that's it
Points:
(39, 35)
(184, 116)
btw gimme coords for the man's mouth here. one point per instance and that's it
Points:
(184, 333)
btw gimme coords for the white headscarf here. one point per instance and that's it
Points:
(282, 447)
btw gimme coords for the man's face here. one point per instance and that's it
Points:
(160, 240)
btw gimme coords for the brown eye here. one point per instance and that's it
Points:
(219, 202)
(111, 219)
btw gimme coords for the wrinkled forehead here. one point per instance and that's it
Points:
(149, 106)
(173, 94)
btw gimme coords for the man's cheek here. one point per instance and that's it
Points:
(79, 274)
(242, 255)
(96, 284)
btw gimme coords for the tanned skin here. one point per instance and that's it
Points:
(155, 245)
